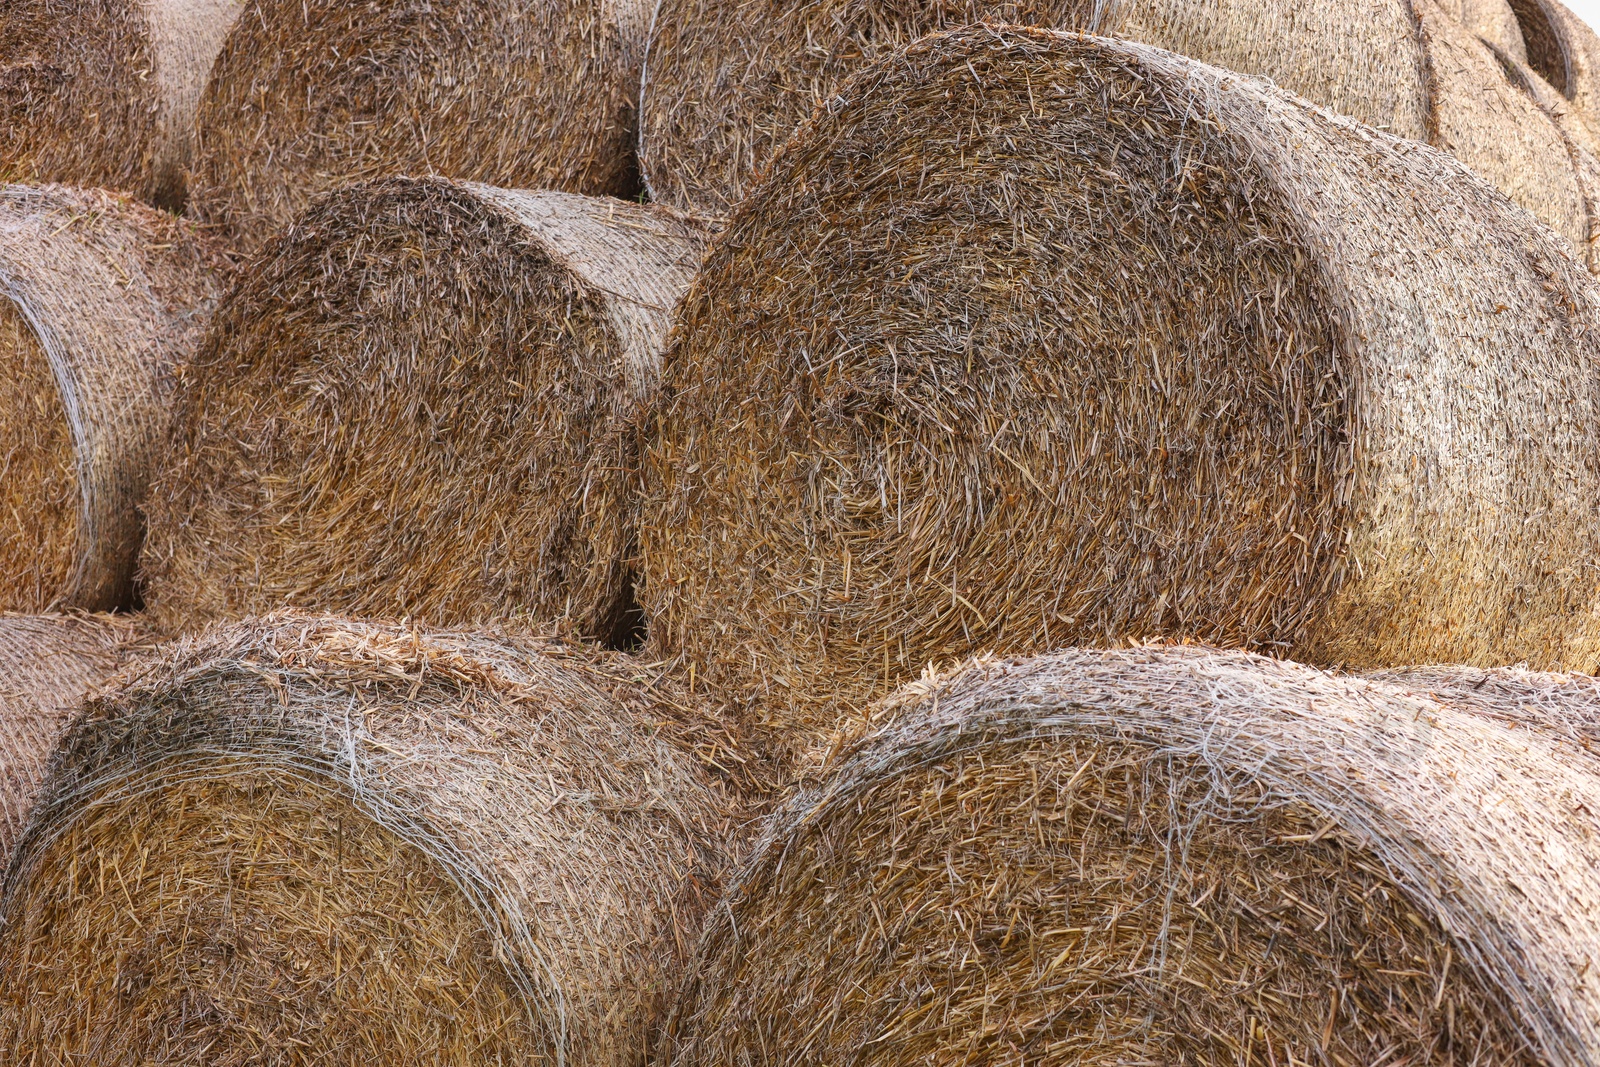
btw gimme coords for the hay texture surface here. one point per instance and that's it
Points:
(99, 299)
(415, 404)
(363, 844)
(311, 95)
(1165, 856)
(48, 664)
(1033, 339)
(727, 81)
(104, 92)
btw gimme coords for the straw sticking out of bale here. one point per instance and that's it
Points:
(104, 92)
(1032, 339)
(416, 404)
(308, 97)
(48, 664)
(727, 81)
(1164, 856)
(99, 298)
(369, 844)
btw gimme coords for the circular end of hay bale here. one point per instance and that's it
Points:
(39, 499)
(100, 298)
(1032, 339)
(48, 664)
(308, 97)
(104, 93)
(1160, 856)
(416, 405)
(364, 843)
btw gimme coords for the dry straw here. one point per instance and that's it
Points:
(48, 664)
(99, 298)
(1170, 856)
(1032, 339)
(727, 81)
(365, 844)
(310, 95)
(416, 403)
(104, 92)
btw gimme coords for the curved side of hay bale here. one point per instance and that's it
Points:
(1497, 127)
(104, 92)
(377, 844)
(1164, 855)
(309, 97)
(1297, 419)
(48, 664)
(417, 404)
(1491, 21)
(99, 299)
(1564, 50)
(726, 83)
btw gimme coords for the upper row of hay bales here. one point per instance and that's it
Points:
(1331, 395)
(246, 111)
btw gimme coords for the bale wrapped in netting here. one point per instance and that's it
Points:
(48, 664)
(1164, 855)
(1033, 339)
(104, 92)
(1563, 49)
(418, 403)
(367, 844)
(99, 299)
(727, 81)
(310, 95)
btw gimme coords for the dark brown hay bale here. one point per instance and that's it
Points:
(415, 404)
(1032, 339)
(310, 95)
(99, 298)
(727, 81)
(104, 92)
(367, 844)
(1165, 856)
(48, 664)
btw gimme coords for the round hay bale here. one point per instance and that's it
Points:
(417, 403)
(99, 299)
(1164, 856)
(310, 96)
(1563, 49)
(1033, 339)
(1491, 21)
(366, 843)
(727, 81)
(104, 92)
(48, 664)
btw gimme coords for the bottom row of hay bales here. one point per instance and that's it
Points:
(309, 840)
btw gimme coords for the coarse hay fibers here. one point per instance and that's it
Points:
(1032, 339)
(417, 403)
(364, 844)
(1166, 855)
(311, 95)
(48, 664)
(99, 299)
(104, 92)
(727, 81)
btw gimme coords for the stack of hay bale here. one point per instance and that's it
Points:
(530, 602)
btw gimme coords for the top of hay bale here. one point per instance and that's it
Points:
(727, 83)
(1303, 417)
(101, 298)
(373, 841)
(310, 96)
(105, 93)
(1165, 855)
(416, 403)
